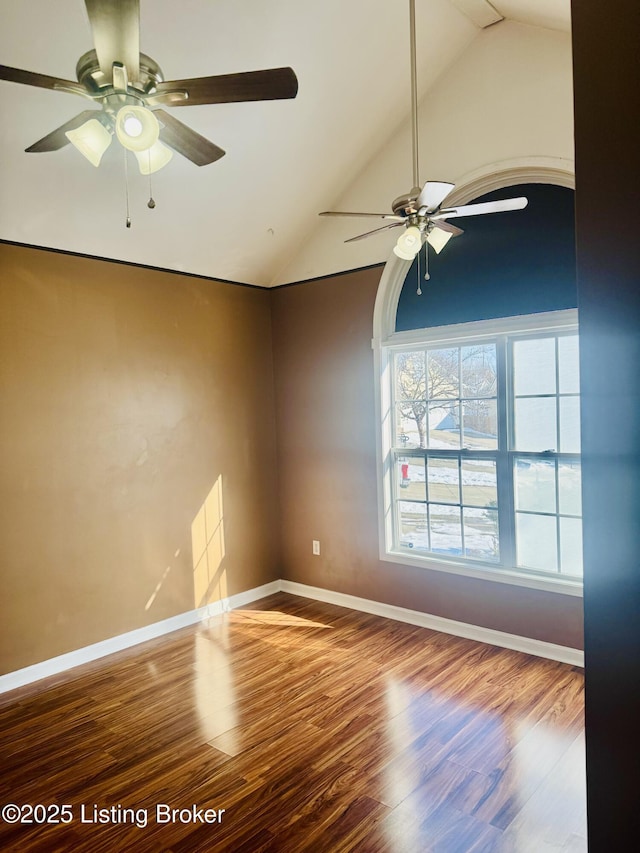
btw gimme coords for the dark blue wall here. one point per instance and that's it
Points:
(521, 262)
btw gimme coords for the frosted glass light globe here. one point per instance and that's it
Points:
(408, 244)
(137, 128)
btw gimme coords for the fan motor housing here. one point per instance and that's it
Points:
(405, 205)
(91, 76)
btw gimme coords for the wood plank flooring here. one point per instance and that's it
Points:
(315, 728)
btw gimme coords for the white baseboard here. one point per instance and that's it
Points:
(241, 598)
(53, 666)
(564, 654)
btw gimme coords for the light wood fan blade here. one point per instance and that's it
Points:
(268, 85)
(371, 215)
(57, 138)
(42, 81)
(186, 141)
(484, 207)
(375, 231)
(433, 194)
(115, 25)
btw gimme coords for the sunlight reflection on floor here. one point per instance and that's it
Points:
(273, 617)
(213, 688)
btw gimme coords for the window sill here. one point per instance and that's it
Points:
(561, 586)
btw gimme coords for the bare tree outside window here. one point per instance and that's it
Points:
(447, 376)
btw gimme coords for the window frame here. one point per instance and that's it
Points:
(462, 334)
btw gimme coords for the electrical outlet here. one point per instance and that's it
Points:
(316, 547)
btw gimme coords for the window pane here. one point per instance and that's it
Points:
(571, 546)
(480, 425)
(410, 478)
(446, 532)
(536, 542)
(481, 534)
(535, 424)
(410, 376)
(444, 480)
(479, 483)
(569, 488)
(443, 373)
(447, 399)
(410, 424)
(444, 425)
(570, 425)
(535, 485)
(534, 365)
(412, 523)
(568, 366)
(479, 370)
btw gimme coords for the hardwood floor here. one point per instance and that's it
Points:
(315, 728)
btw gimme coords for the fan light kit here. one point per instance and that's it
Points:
(420, 210)
(91, 139)
(130, 90)
(409, 243)
(137, 128)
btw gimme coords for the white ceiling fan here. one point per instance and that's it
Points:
(420, 210)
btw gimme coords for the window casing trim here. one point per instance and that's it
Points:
(547, 322)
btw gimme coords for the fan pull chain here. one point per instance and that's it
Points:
(426, 262)
(126, 187)
(419, 290)
(151, 203)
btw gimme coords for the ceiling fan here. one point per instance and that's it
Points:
(131, 90)
(420, 210)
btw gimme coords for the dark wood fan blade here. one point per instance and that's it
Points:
(372, 215)
(56, 139)
(186, 141)
(375, 231)
(269, 85)
(42, 81)
(447, 226)
(115, 25)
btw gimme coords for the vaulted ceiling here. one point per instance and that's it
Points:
(495, 95)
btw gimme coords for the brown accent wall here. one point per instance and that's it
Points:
(128, 397)
(323, 364)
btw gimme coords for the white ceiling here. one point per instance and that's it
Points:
(252, 216)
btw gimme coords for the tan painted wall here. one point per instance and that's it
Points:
(128, 396)
(323, 364)
(139, 471)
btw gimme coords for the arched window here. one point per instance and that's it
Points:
(479, 418)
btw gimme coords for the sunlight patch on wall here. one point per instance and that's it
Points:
(160, 583)
(152, 597)
(208, 549)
